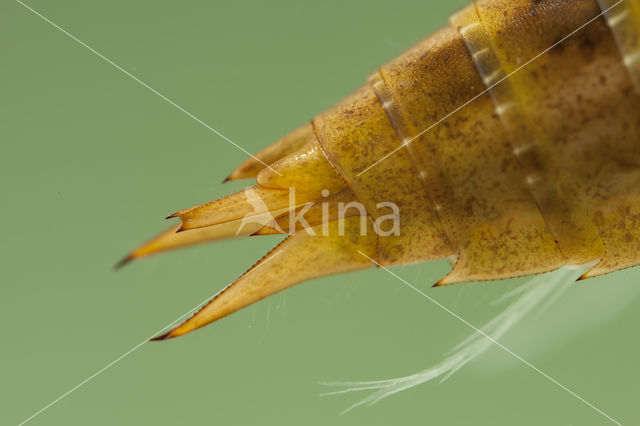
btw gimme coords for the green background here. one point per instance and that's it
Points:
(91, 162)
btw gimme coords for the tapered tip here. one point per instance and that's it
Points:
(163, 336)
(172, 215)
(123, 262)
(247, 170)
(267, 230)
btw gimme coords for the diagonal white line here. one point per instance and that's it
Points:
(407, 142)
(151, 89)
(133, 349)
(494, 341)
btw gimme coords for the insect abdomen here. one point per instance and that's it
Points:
(542, 170)
(509, 141)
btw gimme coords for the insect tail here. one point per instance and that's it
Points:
(285, 146)
(299, 194)
(239, 214)
(300, 181)
(298, 258)
(530, 296)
